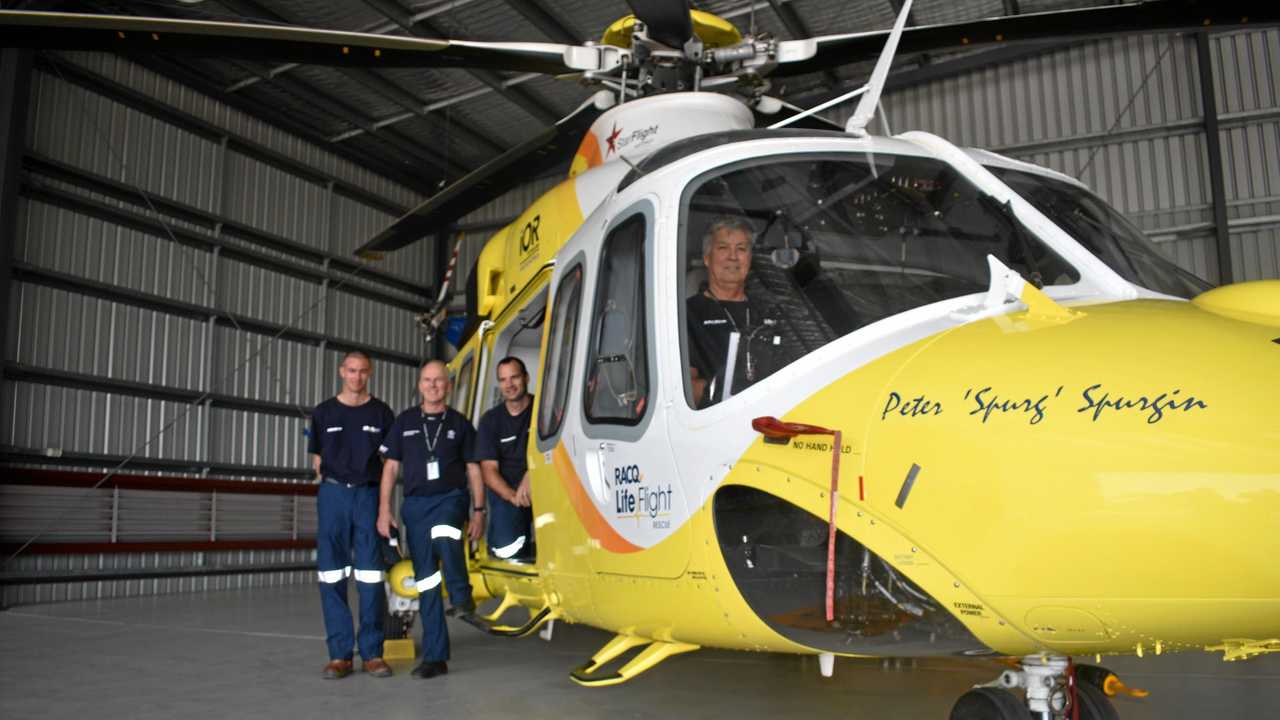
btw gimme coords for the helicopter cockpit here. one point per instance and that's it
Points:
(841, 241)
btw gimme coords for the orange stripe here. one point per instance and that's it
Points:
(597, 527)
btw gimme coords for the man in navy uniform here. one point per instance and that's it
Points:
(501, 446)
(346, 432)
(431, 445)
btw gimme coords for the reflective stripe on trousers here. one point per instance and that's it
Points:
(446, 531)
(430, 582)
(507, 551)
(335, 576)
(369, 576)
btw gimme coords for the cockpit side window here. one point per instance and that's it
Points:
(832, 244)
(617, 372)
(558, 368)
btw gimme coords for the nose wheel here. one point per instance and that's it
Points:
(1053, 691)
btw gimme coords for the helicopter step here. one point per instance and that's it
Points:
(648, 658)
(489, 623)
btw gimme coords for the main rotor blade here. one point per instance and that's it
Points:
(515, 166)
(117, 33)
(667, 21)
(1154, 16)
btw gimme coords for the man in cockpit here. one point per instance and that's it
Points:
(721, 308)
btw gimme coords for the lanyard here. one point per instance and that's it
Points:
(435, 439)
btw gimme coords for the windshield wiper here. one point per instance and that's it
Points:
(1005, 210)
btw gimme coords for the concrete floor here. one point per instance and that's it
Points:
(259, 653)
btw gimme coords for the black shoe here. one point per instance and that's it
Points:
(464, 609)
(428, 670)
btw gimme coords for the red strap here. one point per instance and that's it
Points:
(774, 428)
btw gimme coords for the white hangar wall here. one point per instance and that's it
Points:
(147, 327)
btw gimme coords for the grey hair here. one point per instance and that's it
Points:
(728, 222)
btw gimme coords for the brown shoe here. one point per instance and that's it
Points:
(337, 669)
(377, 667)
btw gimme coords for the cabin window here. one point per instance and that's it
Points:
(559, 365)
(617, 387)
(783, 255)
(462, 388)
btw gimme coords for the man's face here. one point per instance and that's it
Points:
(355, 372)
(512, 382)
(433, 383)
(729, 258)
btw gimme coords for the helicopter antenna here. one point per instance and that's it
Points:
(866, 109)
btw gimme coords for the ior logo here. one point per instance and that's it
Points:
(529, 235)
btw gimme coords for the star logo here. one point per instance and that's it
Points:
(612, 140)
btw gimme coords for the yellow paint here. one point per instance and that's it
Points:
(398, 649)
(712, 30)
(1255, 302)
(1076, 533)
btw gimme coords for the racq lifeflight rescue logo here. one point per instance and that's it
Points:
(633, 498)
(618, 142)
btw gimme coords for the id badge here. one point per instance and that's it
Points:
(433, 469)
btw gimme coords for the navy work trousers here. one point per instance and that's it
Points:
(510, 529)
(434, 526)
(347, 524)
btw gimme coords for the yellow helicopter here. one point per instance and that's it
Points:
(975, 413)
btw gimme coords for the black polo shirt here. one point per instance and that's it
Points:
(417, 437)
(505, 437)
(347, 438)
(710, 322)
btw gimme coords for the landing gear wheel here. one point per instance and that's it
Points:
(988, 703)
(1094, 704)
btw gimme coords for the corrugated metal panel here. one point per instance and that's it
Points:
(270, 199)
(1255, 255)
(279, 371)
(66, 331)
(87, 247)
(1246, 70)
(267, 295)
(373, 323)
(27, 594)
(354, 223)
(1039, 98)
(1251, 166)
(88, 131)
(58, 418)
(246, 438)
(179, 96)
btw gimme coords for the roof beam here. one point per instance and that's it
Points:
(799, 30)
(70, 72)
(396, 13)
(373, 157)
(407, 100)
(545, 20)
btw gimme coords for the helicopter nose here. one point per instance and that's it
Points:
(1131, 452)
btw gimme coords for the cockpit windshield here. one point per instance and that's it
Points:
(786, 254)
(1104, 232)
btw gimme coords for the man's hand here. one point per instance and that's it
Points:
(385, 523)
(524, 493)
(476, 528)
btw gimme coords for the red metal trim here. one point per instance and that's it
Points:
(88, 548)
(71, 478)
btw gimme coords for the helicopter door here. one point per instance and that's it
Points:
(629, 468)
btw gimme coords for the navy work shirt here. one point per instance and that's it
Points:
(505, 437)
(347, 437)
(416, 437)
